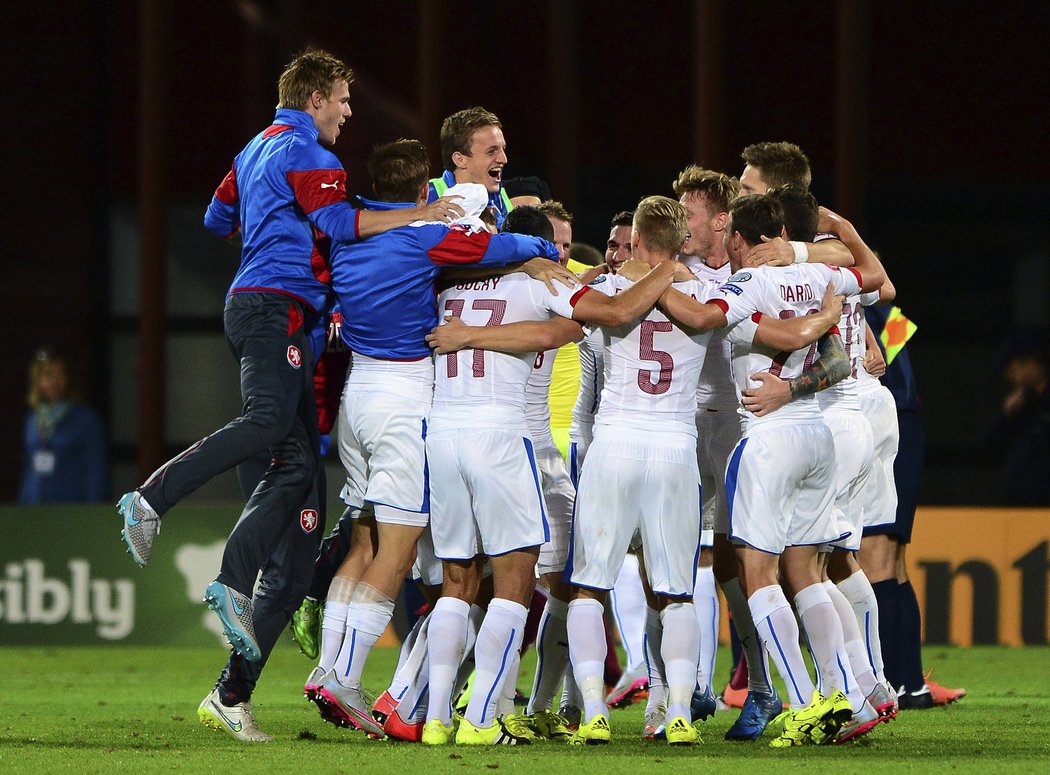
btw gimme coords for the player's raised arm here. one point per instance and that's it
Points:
(778, 251)
(631, 304)
(866, 263)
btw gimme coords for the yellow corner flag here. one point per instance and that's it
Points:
(896, 333)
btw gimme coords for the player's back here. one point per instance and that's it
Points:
(386, 283)
(652, 367)
(783, 293)
(476, 386)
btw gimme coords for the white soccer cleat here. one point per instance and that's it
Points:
(237, 721)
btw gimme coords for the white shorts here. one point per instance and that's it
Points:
(485, 495)
(780, 486)
(558, 496)
(577, 452)
(878, 497)
(717, 433)
(382, 447)
(854, 453)
(427, 567)
(638, 481)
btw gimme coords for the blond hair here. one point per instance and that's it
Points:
(661, 222)
(44, 362)
(555, 209)
(717, 188)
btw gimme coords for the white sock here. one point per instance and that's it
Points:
(705, 598)
(466, 669)
(777, 629)
(333, 628)
(505, 704)
(409, 643)
(365, 622)
(498, 640)
(680, 651)
(570, 693)
(410, 682)
(587, 652)
(333, 623)
(826, 643)
(858, 658)
(627, 600)
(654, 635)
(756, 657)
(446, 644)
(861, 597)
(552, 654)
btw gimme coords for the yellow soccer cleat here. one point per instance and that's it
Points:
(594, 732)
(436, 733)
(549, 725)
(497, 734)
(681, 732)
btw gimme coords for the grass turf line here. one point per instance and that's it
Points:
(133, 709)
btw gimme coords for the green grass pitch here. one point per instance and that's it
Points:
(123, 709)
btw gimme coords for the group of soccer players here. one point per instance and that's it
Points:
(722, 422)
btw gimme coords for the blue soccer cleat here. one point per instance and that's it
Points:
(759, 711)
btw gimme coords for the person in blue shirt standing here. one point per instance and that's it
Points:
(65, 441)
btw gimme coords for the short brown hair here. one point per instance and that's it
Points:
(458, 130)
(801, 213)
(312, 70)
(782, 164)
(552, 208)
(399, 170)
(661, 222)
(623, 218)
(756, 216)
(717, 188)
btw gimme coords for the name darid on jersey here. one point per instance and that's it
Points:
(802, 292)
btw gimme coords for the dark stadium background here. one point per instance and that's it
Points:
(937, 148)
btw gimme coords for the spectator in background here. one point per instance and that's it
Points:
(1019, 436)
(65, 442)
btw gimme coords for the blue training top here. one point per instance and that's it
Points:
(286, 193)
(385, 284)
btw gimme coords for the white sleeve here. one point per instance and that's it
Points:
(743, 332)
(738, 295)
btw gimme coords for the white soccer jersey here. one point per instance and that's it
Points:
(471, 387)
(783, 292)
(537, 399)
(592, 380)
(652, 367)
(716, 389)
(843, 395)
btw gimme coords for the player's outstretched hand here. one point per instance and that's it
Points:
(633, 269)
(446, 209)
(449, 336)
(769, 396)
(775, 252)
(548, 271)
